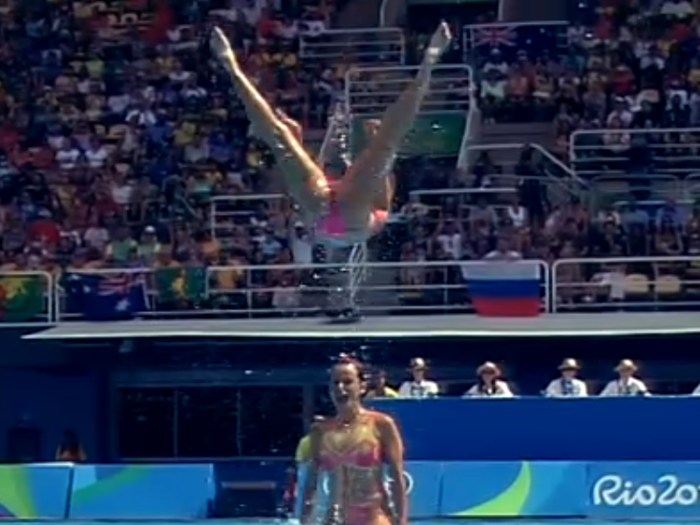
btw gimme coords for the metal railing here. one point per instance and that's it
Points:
(382, 45)
(227, 211)
(636, 283)
(617, 188)
(370, 90)
(658, 150)
(302, 289)
(467, 199)
(570, 184)
(567, 285)
(443, 124)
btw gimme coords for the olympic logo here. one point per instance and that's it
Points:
(388, 481)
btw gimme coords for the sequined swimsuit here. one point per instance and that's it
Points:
(354, 457)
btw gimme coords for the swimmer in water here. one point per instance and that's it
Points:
(353, 448)
(353, 210)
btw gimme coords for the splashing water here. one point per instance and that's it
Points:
(338, 155)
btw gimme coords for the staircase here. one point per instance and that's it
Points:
(530, 133)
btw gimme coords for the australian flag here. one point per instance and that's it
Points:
(511, 38)
(106, 297)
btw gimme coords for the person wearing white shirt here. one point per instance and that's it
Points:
(489, 383)
(626, 384)
(567, 385)
(450, 240)
(419, 387)
(68, 156)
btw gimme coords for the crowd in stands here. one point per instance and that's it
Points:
(117, 132)
(639, 71)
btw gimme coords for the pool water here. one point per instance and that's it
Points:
(466, 521)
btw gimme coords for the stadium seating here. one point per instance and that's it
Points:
(123, 148)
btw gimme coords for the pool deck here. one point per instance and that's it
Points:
(418, 326)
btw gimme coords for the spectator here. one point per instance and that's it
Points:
(70, 449)
(419, 386)
(626, 384)
(568, 385)
(378, 386)
(489, 383)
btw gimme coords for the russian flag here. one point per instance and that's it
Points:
(504, 288)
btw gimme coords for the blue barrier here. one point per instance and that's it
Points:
(35, 491)
(609, 489)
(119, 492)
(644, 490)
(547, 429)
(511, 489)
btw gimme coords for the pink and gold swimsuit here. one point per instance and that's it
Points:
(353, 456)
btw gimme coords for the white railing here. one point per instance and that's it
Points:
(621, 188)
(571, 183)
(381, 45)
(224, 210)
(615, 283)
(672, 150)
(691, 186)
(595, 284)
(467, 198)
(371, 90)
(235, 289)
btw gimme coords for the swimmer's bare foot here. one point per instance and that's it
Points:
(221, 47)
(439, 42)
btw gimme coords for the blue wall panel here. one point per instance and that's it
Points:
(510, 489)
(644, 489)
(602, 490)
(141, 491)
(34, 491)
(547, 429)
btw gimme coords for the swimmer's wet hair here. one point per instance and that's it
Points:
(350, 359)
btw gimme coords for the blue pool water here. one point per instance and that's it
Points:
(465, 521)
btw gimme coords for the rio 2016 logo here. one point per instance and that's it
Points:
(615, 491)
(407, 479)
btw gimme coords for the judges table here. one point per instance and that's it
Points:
(565, 429)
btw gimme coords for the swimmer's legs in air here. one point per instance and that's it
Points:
(374, 163)
(305, 180)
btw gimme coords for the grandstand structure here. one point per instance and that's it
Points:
(453, 124)
(214, 296)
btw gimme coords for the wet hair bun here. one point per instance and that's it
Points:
(350, 359)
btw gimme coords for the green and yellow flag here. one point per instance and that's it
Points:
(22, 298)
(178, 284)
